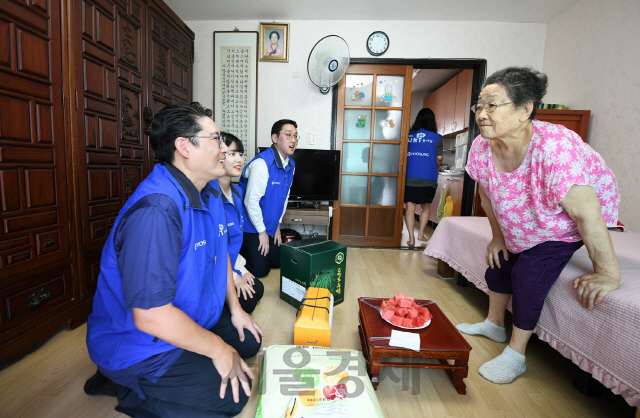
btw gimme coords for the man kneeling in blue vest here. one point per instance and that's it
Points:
(265, 184)
(164, 341)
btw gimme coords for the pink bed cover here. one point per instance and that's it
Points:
(604, 341)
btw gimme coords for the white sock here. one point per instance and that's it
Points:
(504, 368)
(486, 328)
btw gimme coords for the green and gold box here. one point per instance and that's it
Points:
(312, 262)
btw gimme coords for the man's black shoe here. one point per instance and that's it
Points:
(100, 385)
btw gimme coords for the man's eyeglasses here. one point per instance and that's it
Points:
(218, 138)
(289, 136)
(490, 108)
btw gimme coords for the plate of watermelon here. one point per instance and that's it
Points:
(403, 312)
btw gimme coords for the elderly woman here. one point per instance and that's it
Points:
(274, 49)
(546, 193)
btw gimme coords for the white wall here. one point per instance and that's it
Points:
(592, 59)
(285, 91)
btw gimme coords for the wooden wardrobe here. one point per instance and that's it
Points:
(78, 79)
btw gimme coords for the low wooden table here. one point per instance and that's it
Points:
(440, 341)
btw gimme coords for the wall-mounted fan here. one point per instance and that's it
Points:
(328, 61)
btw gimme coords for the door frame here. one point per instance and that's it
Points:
(479, 67)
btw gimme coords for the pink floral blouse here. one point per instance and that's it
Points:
(526, 202)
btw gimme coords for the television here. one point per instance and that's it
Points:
(317, 175)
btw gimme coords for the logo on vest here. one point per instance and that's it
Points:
(275, 182)
(200, 244)
(222, 230)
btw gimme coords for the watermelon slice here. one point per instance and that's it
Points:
(412, 313)
(401, 311)
(392, 303)
(399, 296)
(397, 320)
(419, 322)
(405, 303)
(411, 298)
(407, 323)
(384, 305)
(387, 314)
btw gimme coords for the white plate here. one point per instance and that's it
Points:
(424, 326)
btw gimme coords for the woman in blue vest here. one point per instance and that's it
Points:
(424, 156)
(250, 289)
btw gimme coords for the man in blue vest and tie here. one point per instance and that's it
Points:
(167, 331)
(265, 183)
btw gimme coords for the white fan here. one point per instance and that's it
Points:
(328, 61)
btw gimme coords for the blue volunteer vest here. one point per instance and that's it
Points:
(113, 340)
(236, 215)
(421, 155)
(274, 199)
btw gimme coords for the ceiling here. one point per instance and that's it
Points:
(427, 81)
(524, 11)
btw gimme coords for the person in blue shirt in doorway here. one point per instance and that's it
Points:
(167, 331)
(424, 157)
(249, 288)
(265, 183)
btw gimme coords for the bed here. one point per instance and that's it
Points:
(604, 342)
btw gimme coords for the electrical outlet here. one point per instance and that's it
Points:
(312, 139)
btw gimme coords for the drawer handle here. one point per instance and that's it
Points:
(296, 219)
(48, 243)
(39, 296)
(98, 229)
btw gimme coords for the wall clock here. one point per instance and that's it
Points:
(377, 43)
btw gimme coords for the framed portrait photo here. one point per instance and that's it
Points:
(274, 42)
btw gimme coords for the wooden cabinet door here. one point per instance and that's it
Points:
(433, 214)
(33, 184)
(463, 100)
(454, 189)
(449, 93)
(111, 148)
(435, 102)
(170, 70)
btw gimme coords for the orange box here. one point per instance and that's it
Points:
(315, 316)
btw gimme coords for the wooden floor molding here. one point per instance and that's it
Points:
(48, 381)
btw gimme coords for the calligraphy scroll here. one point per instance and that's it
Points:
(235, 76)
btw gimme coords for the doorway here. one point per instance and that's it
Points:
(362, 217)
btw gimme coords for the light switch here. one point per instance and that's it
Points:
(312, 139)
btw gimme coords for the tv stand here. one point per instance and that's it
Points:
(307, 216)
(305, 204)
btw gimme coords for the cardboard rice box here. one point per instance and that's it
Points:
(298, 381)
(312, 263)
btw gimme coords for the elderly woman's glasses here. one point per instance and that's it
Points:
(490, 108)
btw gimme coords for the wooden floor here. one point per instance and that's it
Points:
(48, 382)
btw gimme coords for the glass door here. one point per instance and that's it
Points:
(374, 104)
